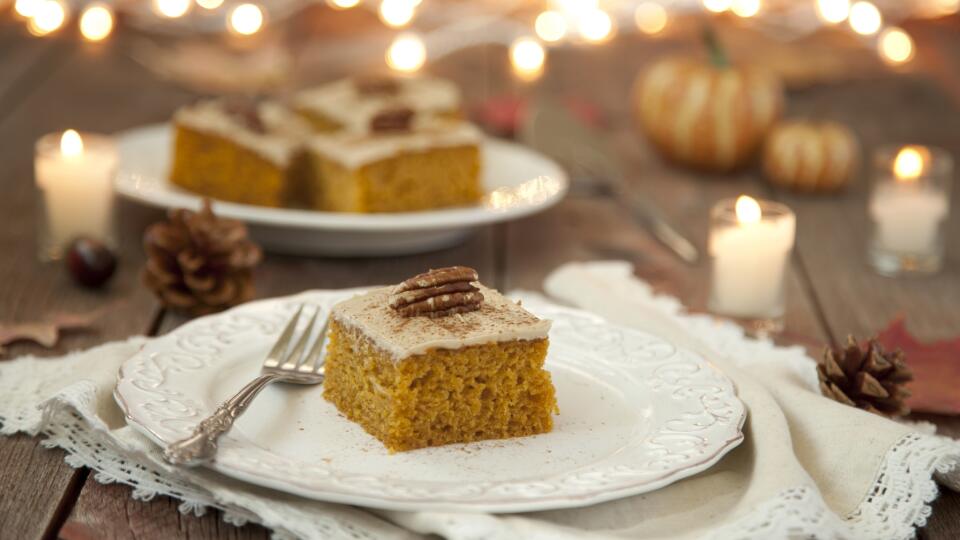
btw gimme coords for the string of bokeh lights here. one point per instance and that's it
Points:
(560, 21)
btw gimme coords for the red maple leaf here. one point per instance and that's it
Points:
(935, 366)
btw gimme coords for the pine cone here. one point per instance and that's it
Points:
(868, 378)
(198, 263)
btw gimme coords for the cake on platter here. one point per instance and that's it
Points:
(240, 151)
(401, 162)
(439, 359)
(350, 104)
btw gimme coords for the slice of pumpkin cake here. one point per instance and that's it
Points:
(401, 162)
(239, 151)
(439, 359)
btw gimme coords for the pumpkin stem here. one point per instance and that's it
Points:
(718, 55)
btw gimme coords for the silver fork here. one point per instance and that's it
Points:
(294, 366)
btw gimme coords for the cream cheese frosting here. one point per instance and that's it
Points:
(499, 319)
(284, 130)
(341, 102)
(353, 150)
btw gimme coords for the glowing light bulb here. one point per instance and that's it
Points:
(833, 11)
(397, 13)
(71, 145)
(245, 19)
(910, 163)
(407, 53)
(27, 8)
(745, 8)
(717, 6)
(210, 4)
(342, 4)
(96, 22)
(896, 46)
(747, 210)
(596, 26)
(550, 26)
(48, 17)
(865, 18)
(650, 17)
(171, 9)
(527, 56)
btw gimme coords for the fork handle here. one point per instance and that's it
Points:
(201, 445)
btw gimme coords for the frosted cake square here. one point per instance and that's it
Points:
(439, 359)
(401, 163)
(240, 151)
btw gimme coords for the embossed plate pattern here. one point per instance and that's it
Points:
(636, 413)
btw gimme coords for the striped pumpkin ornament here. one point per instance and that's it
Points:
(705, 116)
(811, 156)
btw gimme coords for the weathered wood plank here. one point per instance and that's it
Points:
(108, 511)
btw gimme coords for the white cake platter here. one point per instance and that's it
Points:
(518, 182)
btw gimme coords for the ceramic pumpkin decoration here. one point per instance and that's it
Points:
(708, 115)
(811, 156)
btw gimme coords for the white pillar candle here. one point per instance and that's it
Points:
(907, 210)
(750, 250)
(75, 175)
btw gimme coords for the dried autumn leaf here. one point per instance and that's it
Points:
(935, 366)
(46, 333)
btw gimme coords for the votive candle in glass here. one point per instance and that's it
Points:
(750, 245)
(908, 205)
(74, 173)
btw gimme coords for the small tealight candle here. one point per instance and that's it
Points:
(908, 205)
(750, 245)
(75, 173)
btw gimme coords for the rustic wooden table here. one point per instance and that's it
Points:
(48, 85)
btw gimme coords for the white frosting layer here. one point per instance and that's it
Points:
(499, 319)
(285, 130)
(341, 102)
(353, 150)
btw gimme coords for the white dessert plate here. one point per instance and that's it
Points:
(518, 182)
(636, 413)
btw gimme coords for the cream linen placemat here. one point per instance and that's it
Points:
(808, 467)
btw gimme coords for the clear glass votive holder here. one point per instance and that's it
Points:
(908, 206)
(74, 175)
(750, 245)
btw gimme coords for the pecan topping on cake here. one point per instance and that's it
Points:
(395, 119)
(372, 85)
(247, 111)
(438, 293)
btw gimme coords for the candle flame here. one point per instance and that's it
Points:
(910, 163)
(748, 210)
(71, 144)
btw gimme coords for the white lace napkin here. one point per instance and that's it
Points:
(809, 467)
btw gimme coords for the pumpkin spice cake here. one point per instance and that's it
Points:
(402, 162)
(239, 151)
(439, 359)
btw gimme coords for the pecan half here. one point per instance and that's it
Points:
(395, 119)
(438, 293)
